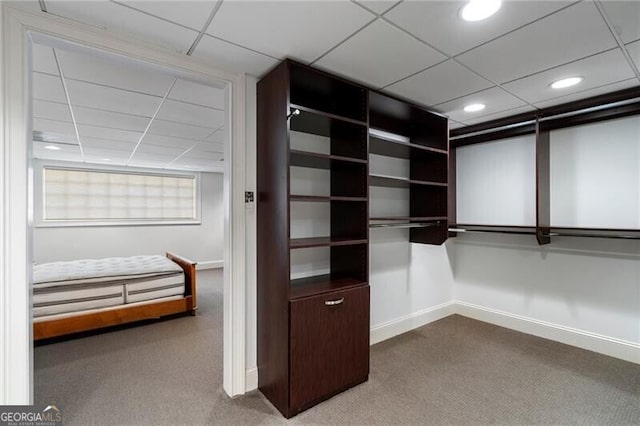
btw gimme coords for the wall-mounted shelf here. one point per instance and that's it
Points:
(320, 161)
(320, 284)
(300, 243)
(399, 182)
(392, 145)
(324, 199)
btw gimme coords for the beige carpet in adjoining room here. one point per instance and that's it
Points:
(454, 371)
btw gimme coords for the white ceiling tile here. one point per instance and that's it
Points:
(634, 52)
(495, 99)
(192, 14)
(217, 137)
(625, 17)
(168, 141)
(113, 71)
(379, 55)
(100, 143)
(107, 133)
(501, 114)
(92, 152)
(439, 22)
(191, 114)
(598, 70)
(300, 29)
(106, 160)
(179, 130)
(66, 152)
(43, 59)
(200, 94)
(146, 157)
(455, 125)
(53, 126)
(48, 88)
(440, 83)
(147, 148)
(125, 21)
(232, 58)
(115, 120)
(100, 97)
(378, 6)
(51, 110)
(632, 82)
(570, 34)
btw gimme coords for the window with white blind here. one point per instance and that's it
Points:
(77, 196)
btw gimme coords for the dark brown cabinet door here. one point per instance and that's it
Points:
(329, 345)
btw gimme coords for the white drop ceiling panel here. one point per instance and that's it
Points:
(100, 143)
(495, 99)
(126, 22)
(93, 152)
(378, 6)
(160, 158)
(105, 160)
(43, 59)
(625, 17)
(217, 137)
(598, 70)
(170, 128)
(570, 34)
(48, 88)
(70, 152)
(146, 148)
(379, 55)
(495, 116)
(634, 52)
(633, 82)
(208, 155)
(168, 141)
(199, 94)
(51, 110)
(101, 97)
(299, 29)
(109, 72)
(107, 133)
(232, 58)
(192, 14)
(196, 115)
(53, 126)
(115, 120)
(439, 22)
(440, 83)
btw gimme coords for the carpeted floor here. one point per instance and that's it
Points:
(454, 371)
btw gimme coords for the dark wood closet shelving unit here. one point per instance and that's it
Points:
(313, 332)
(609, 106)
(402, 130)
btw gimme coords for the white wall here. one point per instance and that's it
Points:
(201, 243)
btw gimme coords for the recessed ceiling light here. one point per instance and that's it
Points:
(52, 147)
(566, 82)
(477, 10)
(474, 107)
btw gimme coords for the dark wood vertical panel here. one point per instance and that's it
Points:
(329, 345)
(273, 237)
(543, 185)
(452, 194)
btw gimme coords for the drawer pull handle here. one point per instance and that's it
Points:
(334, 302)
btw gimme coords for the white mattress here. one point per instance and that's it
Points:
(59, 289)
(111, 269)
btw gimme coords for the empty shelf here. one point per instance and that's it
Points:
(399, 182)
(392, 145)
(320, 161)
(299, 243)
(320, 198)
(311, 286)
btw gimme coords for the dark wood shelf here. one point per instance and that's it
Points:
(328, 115)
(391, 145)
(319, 161)
(407, 218)
(320, 284)
(399, 182)
(299, 243)
(319, 198)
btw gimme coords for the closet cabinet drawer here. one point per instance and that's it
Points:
(329, 345)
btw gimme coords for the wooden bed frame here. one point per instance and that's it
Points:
(126, 313)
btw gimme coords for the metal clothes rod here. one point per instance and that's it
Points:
(492, 231)
(402, 225)
(576, 234)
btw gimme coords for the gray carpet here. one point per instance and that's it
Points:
(454, 371)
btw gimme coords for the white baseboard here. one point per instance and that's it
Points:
(251, 379)
(401, 325)
(210, 264)
(617, 348)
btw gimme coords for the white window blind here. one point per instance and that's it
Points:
(103, 196)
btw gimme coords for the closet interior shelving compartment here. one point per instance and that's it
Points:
(544, 124)
(316, 136)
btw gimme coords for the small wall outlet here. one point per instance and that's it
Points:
(248, 197)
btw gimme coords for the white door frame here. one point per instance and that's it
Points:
(16, 345)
